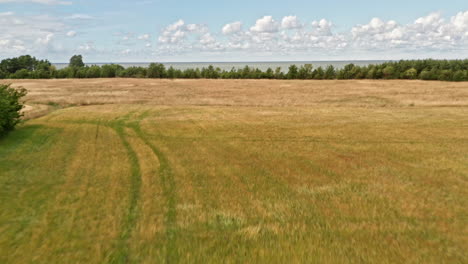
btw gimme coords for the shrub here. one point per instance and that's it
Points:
(3, 74)
(459, 76)
(388, 72)
(411, 74)
(425, 75)
(21, 74)
(93, 72)
(10, 107)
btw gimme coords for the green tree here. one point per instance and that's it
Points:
(171, 73)
(3, 74)
(330, 73)
(279, 73)
(425, 75)
(10, 107)
(411, 74)
(319, 74)
(269, 74)
(21, 74)
(76, 61)
(93, 72)
(459, 76)
(388, 72)
(445, 75)
(156, 70)
(111, 71)
(305, 72)
(293, 72)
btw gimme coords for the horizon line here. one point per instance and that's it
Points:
(231, 61)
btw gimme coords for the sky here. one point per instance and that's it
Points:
(242, 30)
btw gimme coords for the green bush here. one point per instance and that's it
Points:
(459, 76)
(411, 74)
(10, 106)
(21, 74)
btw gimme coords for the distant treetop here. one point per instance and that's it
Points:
(76, 61)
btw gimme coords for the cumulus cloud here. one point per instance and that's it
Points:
(21, 34)
(79, 17)
(144, 37)
(291, 22)
(322, 27)
(177, 32)
(173, 33)
(207, 39)
(232, 28)
(86, 47)
(430, 32)
(43, 2)
(265, 24)
(71, 33)
(267, 35)
(46, 39)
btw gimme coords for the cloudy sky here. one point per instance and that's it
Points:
(242, 30)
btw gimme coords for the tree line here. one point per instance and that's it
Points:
(27, 67)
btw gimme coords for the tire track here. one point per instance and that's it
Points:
(121, 253)
(169, 190)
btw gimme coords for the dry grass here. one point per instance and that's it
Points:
(238, 171)
(246, 92)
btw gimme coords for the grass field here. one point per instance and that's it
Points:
(207, 171)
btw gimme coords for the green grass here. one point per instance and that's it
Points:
(147, 184)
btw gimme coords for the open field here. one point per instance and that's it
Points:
(241, 171)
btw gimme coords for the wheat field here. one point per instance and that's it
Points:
(236, 171)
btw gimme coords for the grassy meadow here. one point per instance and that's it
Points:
(231, 171)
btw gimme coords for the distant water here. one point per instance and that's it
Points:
(229, 65)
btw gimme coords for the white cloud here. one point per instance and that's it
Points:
(71, 33)
(43, 2)
(79, 17)
(144, 37)
(7, 14)
(232, 28)
(178, 32)
(265, 24)
(268, 36)
(29, 34)
(322, 27)
(177, 25)
(460, 21)
(196, 28)
(45, 40)
(291, 22)
(86, 47)
(431, 32)
(207, 39)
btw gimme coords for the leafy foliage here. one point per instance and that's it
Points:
(10, 106)
(76, 61)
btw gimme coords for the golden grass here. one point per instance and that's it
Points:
(395, 93)
(238, 171)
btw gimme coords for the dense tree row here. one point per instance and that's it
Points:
(25, 67)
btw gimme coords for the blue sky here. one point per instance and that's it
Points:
(260, 30)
